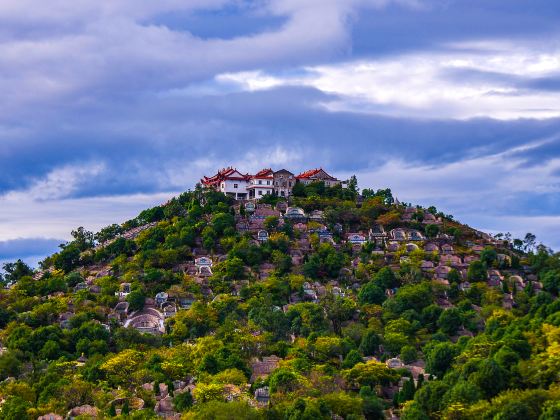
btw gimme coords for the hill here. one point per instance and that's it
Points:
(334, 305)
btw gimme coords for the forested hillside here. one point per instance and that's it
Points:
(334, 305)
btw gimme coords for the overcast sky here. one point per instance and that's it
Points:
(110, 107)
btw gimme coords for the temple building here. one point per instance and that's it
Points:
(230, 182)
(314, 175)
(262, 183)
(265, 182)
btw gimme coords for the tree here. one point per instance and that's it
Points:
(298, 190)
(271, 222)
(393, 342)
(414, 412)
(529, 242)
(551, 281)
(352, 358)
(283, 380)
(453, 276)
(491, 378)
(430, 397)
(282, 261)
(10, 365)
(476, 271)
(15, 408)
(372, 406)
(551, 411)
(338, 310)
(439, 358)
(385, 278)
(370, 342)
(371, 373)
(463, 392)
(219, 410)
(409, 354)
(234, 269)
(136, 300)
(182, 401)
(221, 221)
(431, 231)
(120, 367)
(125, 410)
(15, 271)
(407, 392)
(450, 321)
(83, 239)
(371, 293)
(353, 184)
(488, 256)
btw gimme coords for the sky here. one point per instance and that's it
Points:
(112, 107)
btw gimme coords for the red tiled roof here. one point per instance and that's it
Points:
(222, 175)
(311, 173)
(308, 174)
(265, 173)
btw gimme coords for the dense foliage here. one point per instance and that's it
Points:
(357, 331)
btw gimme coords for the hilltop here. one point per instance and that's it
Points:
(322, 302)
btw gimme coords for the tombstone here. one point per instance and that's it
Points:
(250, 207)
(262, 236)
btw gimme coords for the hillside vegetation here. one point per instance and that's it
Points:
(358, 307)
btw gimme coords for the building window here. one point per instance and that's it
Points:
(260, 181)
(235, 185)
(290, 183)
(267, 182)
(260, 192)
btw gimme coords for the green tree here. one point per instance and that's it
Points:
(476, 271)
(15, 271)
(298, 190)
(10, 365)
(352, 358)
(271, 223)
(488, 256)
(490, 378)
(409, 354)
(136, 300)
(385, 278)
(439, 358)
(15, 408)
(371, 293)
(83, 239)
(431, 231)
(370, 342)
(283, 380)
(393, 342)
(551, 281)
(430, 397)
(372, 406)
(463, 392)
(182, 401)
(450, 321)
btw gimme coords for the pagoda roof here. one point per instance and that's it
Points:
(264, 173)
(225, 174)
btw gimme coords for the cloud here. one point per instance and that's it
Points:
(27, 247)
(471, 80)
(60, 183)
(23, 217)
